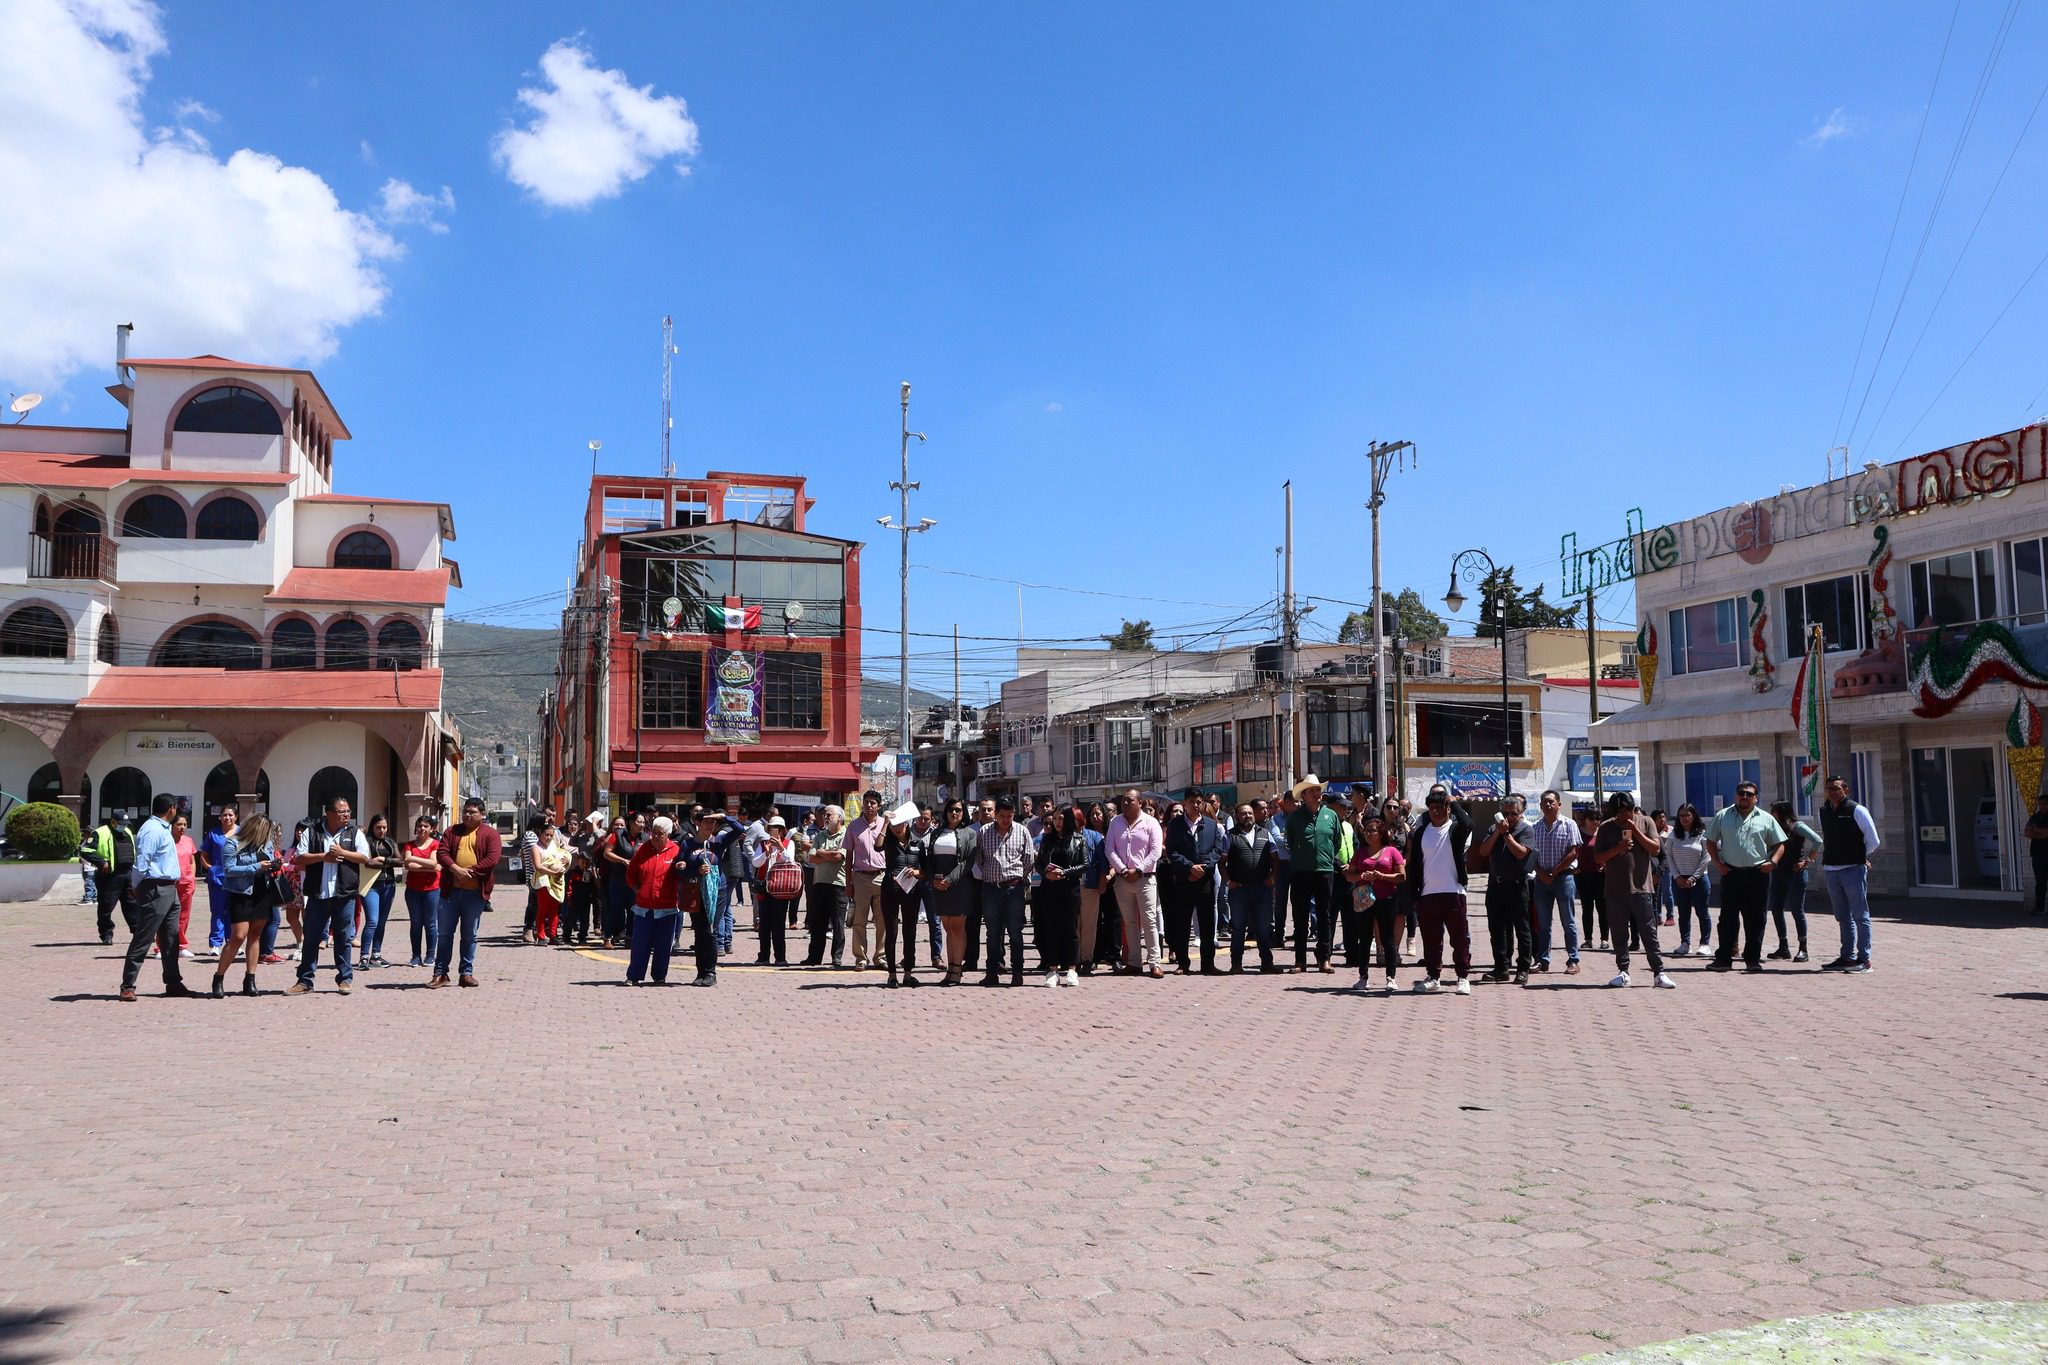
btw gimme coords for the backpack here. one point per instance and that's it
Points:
(785, 880)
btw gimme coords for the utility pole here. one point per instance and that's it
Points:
(668, 422)
(959, 777)
(1593, 697)
(1289, 640)
(1386, 456)
(905, 529)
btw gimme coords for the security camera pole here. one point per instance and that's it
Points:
(903, 486)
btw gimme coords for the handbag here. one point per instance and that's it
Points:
(785, 880)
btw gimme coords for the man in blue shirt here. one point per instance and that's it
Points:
(155, 882)
(213, 858)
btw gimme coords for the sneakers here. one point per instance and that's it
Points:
(1521, 978)
(1620, 980)
(1073, 978)
(1682, 950)
(1388, 989)
(1052, 979)
(1665, 983)
(186, 952)
(1861, 964)
(1839, 964)
(299, 988)
(1463, 987)
(270, 959)
(1429, 985)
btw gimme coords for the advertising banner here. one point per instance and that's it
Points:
(732, 713)
(1617, 772)
(1474, 778)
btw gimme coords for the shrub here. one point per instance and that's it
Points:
(43, 830)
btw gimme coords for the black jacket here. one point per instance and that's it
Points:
(1461, 835)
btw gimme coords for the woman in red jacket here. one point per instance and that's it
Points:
(652, 875)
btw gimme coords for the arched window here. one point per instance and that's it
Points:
(227, 519)
(232, 410)
(362, 550)
(108, 648)
(34, 632)
(292, 646)
(331, 782)
(48, 785)
(211, 644)
(126, 790)
(155, 516)
(348, 645)
(398, 642)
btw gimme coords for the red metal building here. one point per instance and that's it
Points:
(671, 574)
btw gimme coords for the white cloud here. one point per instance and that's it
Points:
(105, 220)
(591, 132)
(1836, 124)
(399, 203)
(1055, 407)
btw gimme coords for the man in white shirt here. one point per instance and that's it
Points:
(1436, 878)
(1848, 841)
(330, 856)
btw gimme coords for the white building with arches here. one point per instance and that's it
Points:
(188, 606)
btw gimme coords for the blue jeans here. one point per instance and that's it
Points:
(1002, 910)
(376, 909)
(654, 942)
(1544, 895)
(325, 915)
(424, 909)
(1849, 893)
(1667, 891)
(1251, 908)
(1692, 901)
(217, 909)
(722, 926)
(464, 907)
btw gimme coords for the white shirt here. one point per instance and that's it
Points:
(324, 873)
(1439, 869)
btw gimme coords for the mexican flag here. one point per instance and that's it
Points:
(1807, 712)
(718, 619)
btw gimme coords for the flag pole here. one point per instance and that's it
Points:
(1817, 650)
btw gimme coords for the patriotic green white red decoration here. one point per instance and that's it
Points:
(718, 619)
(1807, 713)
(1761, 669)
(1943, 670)
(2023, 747)
(1646, 659)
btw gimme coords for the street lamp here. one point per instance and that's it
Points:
(1477, 566)
(903, 527)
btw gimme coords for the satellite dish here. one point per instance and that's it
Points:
(23, 406)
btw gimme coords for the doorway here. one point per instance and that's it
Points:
(1958, 834)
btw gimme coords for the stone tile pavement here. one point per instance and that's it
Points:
(805, 1167)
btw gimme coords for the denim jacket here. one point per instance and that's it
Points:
(242, 866)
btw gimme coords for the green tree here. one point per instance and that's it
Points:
(1414, 620)
(1133, 636)
(1525, 610)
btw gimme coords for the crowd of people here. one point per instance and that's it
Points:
(1148, 886)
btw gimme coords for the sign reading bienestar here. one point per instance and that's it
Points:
(150, 743)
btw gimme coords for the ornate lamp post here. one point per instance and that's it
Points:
(1476, 566)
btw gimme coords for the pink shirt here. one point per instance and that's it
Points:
(1136, 845)
(187, 864)
(864, 837)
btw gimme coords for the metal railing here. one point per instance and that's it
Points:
(73, 554)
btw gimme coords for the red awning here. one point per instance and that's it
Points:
(821, 779)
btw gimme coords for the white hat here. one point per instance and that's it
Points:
(776, 822)
(1310, 781)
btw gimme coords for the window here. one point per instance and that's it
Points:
(1463, 729)
(672, 689)
(292, 647)
(1209, 756)
(329, 783)
(1130, 751)
(692, 510)
(631, 512)
(1839, 606)
(766, 506)
(2028, 569)
(227, 519)
(128, 791)
(1708, 637)
(1258, 757)
(793, 692)
(1861, 772)
(1340, 741)
(34, 633)
(1087, 754)
(348, 645)
(362, 550)
(154, 517)
(108, 649)
(230, 410)
(1957, 589)
(399, 642)
(211, 644)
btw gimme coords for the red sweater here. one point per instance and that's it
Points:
(651, 875)
(488, 850)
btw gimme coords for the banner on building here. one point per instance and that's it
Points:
(154, 743)
(732, 715)
(722, 618)
(1617, 772)
(1473, 778)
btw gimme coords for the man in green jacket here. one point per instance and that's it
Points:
(1314, 834)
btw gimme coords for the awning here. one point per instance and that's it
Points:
(1715, 714)
(222, 689)
(831, 778)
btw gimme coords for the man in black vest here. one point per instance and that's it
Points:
(1848, 839)
(330, 857)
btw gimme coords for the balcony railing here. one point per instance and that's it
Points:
(73, 554)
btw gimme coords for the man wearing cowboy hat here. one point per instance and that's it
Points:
(1314, 831)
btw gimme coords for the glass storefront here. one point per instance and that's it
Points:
(1957, 817)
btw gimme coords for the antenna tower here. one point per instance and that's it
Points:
(668, 379)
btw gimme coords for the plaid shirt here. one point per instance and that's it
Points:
(1004, 858)
(1550, 842)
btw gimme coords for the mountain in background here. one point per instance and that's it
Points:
(493, 678)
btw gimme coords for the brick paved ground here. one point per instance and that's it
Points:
(804, 1167)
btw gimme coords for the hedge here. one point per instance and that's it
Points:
(44, 831)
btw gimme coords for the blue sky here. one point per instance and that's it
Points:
(1141, 263)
